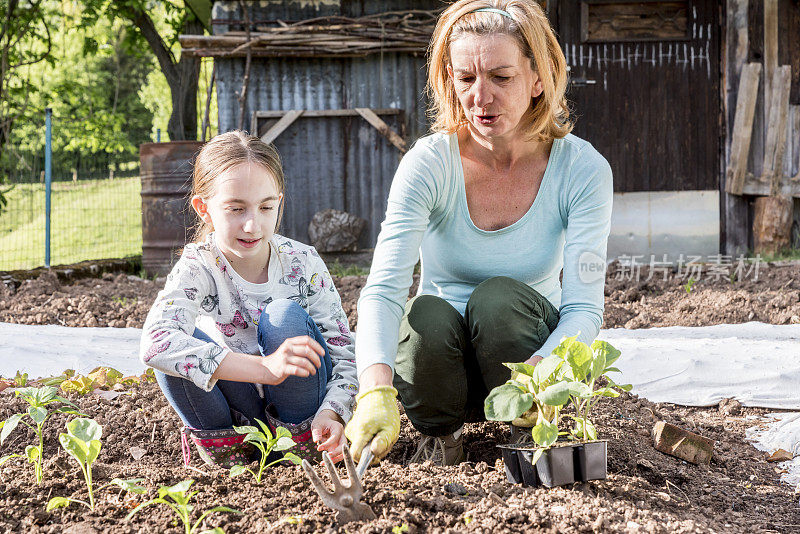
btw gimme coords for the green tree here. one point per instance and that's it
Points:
(93, 88)
(25, 39)
(181, 73)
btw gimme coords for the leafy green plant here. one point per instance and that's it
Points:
(540, 387)
(38, 399)
(570, 374)
(82, 442)
(265, 442)
(689, 285)
(585, 367)
(21, 380)
(179, 497)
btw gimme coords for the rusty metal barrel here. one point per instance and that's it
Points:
(167, 216)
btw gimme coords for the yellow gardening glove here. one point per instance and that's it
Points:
(376, 421)
(529, 418)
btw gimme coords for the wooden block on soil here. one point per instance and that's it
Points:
(682, 444)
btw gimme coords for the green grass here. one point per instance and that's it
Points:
(90, 219)
(788, 254)
(337, 269)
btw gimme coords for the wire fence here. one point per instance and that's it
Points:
(95, 214)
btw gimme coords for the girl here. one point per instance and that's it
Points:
(249, 325)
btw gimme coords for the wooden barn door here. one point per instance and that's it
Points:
(645, 88)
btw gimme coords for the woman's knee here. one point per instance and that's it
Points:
(496, 300)
(431, 326)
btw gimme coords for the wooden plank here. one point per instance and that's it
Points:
(794, 50)
(735, 223)
(316, 113)
(776, 130)
(626, 21)
(794, 139)
(278, 128)
(770, 52)
(383, 128)
(743, 128)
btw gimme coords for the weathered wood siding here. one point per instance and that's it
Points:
(646, 88)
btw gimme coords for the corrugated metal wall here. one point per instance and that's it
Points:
(338, 162)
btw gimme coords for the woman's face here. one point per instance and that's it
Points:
(494, 82)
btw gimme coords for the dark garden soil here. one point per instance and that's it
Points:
(646, 491)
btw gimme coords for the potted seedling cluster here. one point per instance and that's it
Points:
(573, 375)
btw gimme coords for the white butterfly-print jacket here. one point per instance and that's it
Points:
(203, 291)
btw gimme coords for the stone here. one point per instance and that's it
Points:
(335, 231)
(730, 407)
(682, 444)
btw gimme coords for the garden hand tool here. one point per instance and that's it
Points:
(346, 500)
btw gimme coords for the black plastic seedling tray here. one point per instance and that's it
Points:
(563, 463)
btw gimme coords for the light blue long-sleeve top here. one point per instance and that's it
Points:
(427, 217)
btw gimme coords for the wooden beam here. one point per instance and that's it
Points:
(770, 52)
(776, 130)
(286, 120)
(316, 113)
(383, 128)
(743, 128)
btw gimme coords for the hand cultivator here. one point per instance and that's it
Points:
(346, 500)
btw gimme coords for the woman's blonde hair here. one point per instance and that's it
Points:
(548, 117)
(224, 152)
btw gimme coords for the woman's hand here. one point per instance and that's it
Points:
(375, 423)
(327, 431)
(297, 356)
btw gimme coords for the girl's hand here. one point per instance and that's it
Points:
(297, 356)
(327, 431)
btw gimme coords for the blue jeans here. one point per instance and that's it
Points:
(295, 399)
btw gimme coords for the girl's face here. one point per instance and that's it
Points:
(494, 82)
(244, 212)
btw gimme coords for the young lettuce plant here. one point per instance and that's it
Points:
(179, 497)
(82, 442)
(38, 399)
(585, 366)
(541, 387)
(266, 443)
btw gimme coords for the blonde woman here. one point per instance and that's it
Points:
(495, 203)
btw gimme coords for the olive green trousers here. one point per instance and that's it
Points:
(447, 364)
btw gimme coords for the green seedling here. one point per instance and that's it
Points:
(56, 381)
(399, 529)
(540, 387)
(584, 367)
(689, 285)
(21, 380)
(179, 497)
(38, 399)
(265, 442)
(82, 442)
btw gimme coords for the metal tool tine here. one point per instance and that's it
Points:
(337, 482)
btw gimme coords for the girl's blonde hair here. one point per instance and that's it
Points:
(548, 117)
(224, 152)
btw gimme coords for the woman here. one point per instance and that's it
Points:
(495, 204)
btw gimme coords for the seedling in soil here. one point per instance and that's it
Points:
(38, 399)
(585, 367)
(689, 285)
(82, 442)
(21, 380)
(266, 443)
(179, 497)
